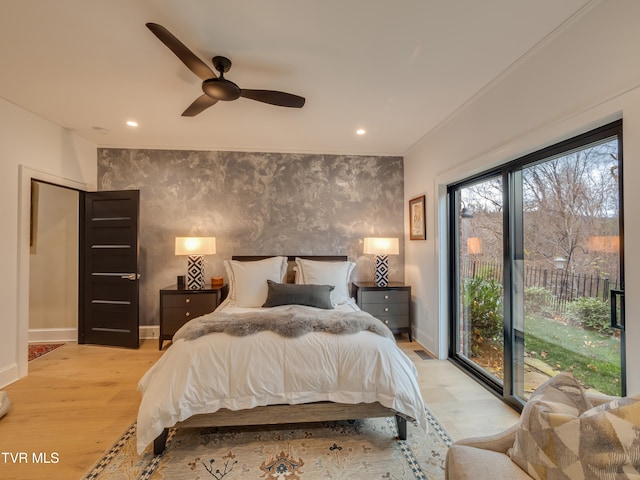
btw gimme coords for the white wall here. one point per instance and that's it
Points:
(53, 263)
(48, 152)
(586, 75)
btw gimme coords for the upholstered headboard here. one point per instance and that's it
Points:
(291, 261)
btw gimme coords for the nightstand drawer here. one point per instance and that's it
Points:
(394, 322)
(191, 301)
(384, 296)
(184, 314)
(385, 309)
(171, 326)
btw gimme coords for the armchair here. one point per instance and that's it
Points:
(487, 457)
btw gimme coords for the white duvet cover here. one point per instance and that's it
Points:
(222, 371)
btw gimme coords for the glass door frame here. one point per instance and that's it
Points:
(454, 284)
(513, 251)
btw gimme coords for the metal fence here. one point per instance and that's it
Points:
(563, 286)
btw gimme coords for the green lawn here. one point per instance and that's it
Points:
(594, 359)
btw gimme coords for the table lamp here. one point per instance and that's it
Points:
(381, 248)
(196, 248)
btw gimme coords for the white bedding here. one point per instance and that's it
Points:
(222, 371)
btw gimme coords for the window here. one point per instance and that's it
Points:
(537, 271)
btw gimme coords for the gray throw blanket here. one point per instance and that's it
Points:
(290, 321)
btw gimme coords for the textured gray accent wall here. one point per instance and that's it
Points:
(255, 204)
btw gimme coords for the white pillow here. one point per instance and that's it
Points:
(248, 280)
(338, 274)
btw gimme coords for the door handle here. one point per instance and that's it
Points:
(131, 276)
(614, 309)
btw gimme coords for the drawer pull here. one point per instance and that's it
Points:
(187, 300)
(386, 309)
(386, 297)
(187, 314)
(386, 321)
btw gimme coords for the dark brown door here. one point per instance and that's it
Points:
(109, 268)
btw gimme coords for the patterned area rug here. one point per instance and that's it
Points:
(37, 350)
(360, 449)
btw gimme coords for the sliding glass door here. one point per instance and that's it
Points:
(537, 278)
(570, 247)
(480, 339)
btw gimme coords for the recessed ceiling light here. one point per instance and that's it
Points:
(361, 131)
(132, 123)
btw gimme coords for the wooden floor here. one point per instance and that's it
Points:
(78, 400)
(464, 407)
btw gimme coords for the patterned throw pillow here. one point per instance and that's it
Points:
(562, 437)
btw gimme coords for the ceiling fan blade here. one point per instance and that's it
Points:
(273, 97)
(199, 104)
(187, 57)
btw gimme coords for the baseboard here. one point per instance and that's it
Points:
(428, 340)
(9, 375)
(149, 332)
(53, 335)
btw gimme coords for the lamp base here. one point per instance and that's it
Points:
(195, 272)
(382, 271)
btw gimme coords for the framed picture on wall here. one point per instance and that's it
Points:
(417, 219)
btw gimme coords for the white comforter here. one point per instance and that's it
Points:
(222, 371)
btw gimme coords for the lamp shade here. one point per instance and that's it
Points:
(195, 245)
(381, 246)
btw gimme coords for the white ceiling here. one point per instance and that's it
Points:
(397, 68)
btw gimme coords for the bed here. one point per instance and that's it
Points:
(287, 345)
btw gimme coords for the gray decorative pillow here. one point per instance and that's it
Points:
(318, 296)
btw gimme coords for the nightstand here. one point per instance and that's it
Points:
(391, 304)
(179, 305)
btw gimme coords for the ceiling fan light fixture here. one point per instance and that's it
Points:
(221, 89)
(361, 131)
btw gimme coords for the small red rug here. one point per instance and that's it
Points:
(40, 349)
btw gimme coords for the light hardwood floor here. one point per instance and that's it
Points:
(78, 400)
(464, 407)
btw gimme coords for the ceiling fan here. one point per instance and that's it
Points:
(218, 88)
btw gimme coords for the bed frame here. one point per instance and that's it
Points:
(281, 414)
